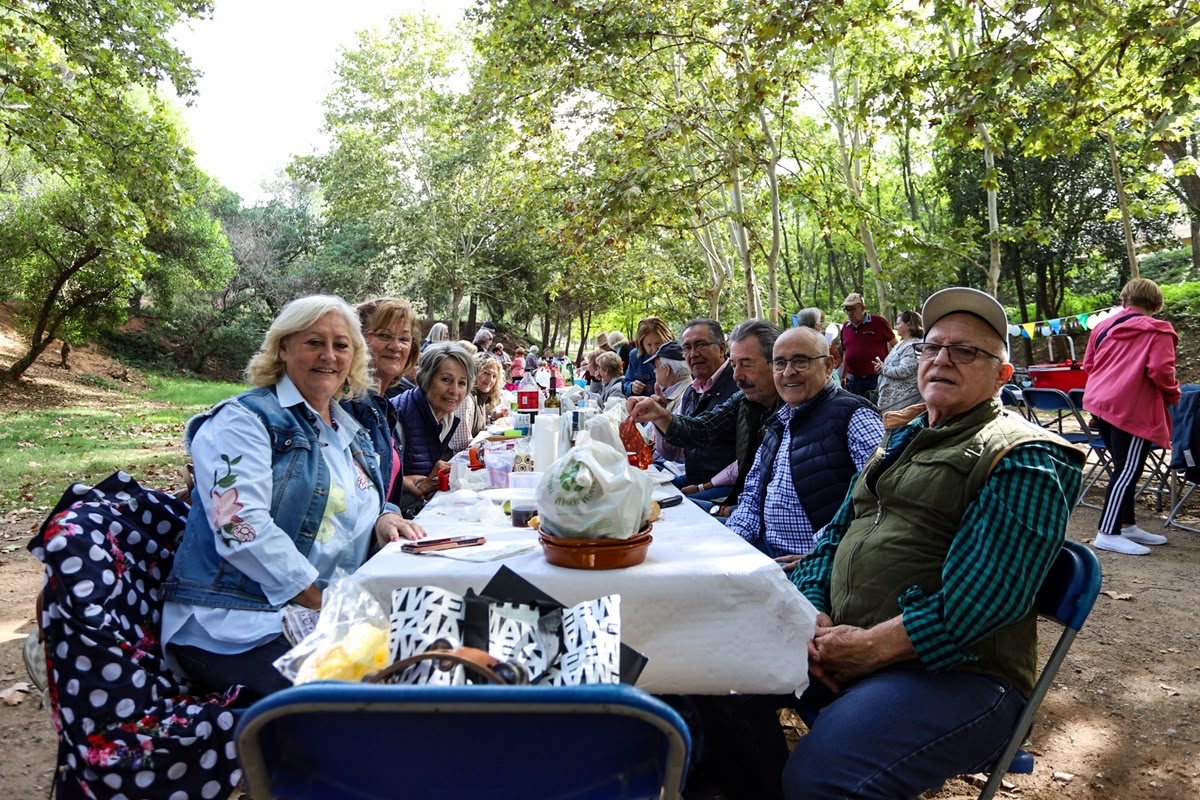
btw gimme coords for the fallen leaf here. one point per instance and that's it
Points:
(1117, 595)
(1170, 690)
(14, 694)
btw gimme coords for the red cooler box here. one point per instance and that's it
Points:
(1064, 376)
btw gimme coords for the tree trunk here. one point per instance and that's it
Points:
(473, 314)
(1126, 225)
(741, 243)
(993, 210)
(851, 169)
(456, 297)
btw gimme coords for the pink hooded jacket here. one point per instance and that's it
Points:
(1131, 375)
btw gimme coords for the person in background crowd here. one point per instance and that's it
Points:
(609, 365)
(703, 345)
(532, 362)
(481, 406)
(504, 358)
(1130, 362)
(898, 372)
(591, 372)
(865, 337)
(671, 376)
(926, 578)
(470, 348)
(444, 375)
(818, 439)
(516, 370)
(652, 333)
(483, 339)
(602, 342)
(619, 345)
(289, 488)
(813, 317)
(437, 333)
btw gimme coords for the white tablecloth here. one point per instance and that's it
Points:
(712, 613)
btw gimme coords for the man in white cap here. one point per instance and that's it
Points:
(925, 580)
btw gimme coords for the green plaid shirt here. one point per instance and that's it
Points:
(1009, 537)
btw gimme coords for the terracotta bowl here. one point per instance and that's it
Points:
(596, 553)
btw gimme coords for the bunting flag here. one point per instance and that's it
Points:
(1043, 327)
(1076, 323)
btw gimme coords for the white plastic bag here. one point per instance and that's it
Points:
(593, 493)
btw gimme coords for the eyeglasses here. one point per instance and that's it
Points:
(387, 338)
(687, 348)
(957, 353)
(798, 363)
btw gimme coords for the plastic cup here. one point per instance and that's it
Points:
(522, 513)
(524, 480)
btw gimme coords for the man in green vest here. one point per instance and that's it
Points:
(924, 582)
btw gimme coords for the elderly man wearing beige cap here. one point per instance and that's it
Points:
(926, 641)
(865, 339)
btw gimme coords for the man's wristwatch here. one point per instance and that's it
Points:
(715, 511)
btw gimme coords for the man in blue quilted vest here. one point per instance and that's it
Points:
(925, 580)
(819, 437)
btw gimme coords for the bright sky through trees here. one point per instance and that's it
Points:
(267, 66)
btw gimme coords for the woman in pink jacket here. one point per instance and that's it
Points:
(1131, 382)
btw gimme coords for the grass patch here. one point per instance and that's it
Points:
(43, 452)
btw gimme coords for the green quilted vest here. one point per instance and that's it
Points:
(902, 541)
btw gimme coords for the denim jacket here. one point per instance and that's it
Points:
(299, 477)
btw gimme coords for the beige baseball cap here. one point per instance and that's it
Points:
(853, 299)
(971, 301)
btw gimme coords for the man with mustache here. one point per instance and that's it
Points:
(739, 418)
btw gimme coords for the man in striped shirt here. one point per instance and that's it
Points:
(925, 580)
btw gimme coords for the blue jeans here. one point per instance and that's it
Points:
(706, 499)
(899, 732)
(861, 385)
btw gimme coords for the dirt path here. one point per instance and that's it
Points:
(1121, 719)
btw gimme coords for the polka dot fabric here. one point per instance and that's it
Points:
(127, 726)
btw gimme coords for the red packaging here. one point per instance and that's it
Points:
(528, 399)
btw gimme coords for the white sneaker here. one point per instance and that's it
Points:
(1119, 544)
(1135, 534)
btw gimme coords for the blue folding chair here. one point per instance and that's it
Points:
(1050, 408)
(1066, 597)
(1185, 452)
(358, 741)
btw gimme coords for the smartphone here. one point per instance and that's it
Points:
(450, 543)
(673, 500)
